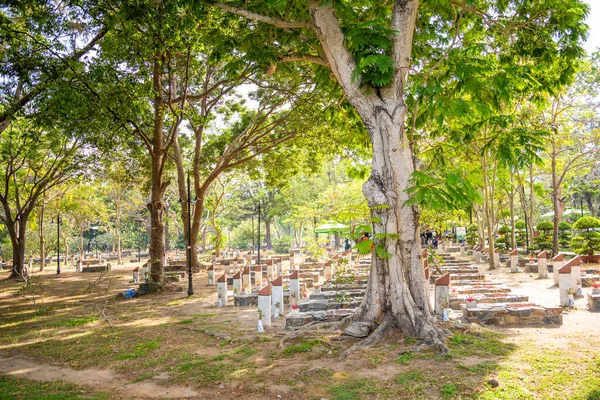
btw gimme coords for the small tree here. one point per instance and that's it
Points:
(588, 239)
(503, 242)
(472, 235)
(565, 234)
(544, 241)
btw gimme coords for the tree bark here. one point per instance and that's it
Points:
(157, 206)
(41, 237)
(268, 233)
(118, 231)
(558, 203)
(18, 248)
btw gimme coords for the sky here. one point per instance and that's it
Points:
(593, 20)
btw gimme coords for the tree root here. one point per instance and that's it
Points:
(374, 338)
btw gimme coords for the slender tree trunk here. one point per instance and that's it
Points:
(488, 201)
(66, 251)
(531, 204)
(118, 232)
(42, 238)
(557, 202)
(268, 233)
(511, 199)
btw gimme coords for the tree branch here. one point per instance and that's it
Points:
(280, 23)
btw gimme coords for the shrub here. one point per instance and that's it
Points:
(564, 235)
(504, 230)
(283, 245)
(588, 239)
(545, 226)
(520, 224)
(544, 241)
(472, 234)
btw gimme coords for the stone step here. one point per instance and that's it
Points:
(457, 301)
(513, 314)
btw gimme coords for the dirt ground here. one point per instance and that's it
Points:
(167, 345)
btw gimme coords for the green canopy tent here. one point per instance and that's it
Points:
(332, 227)
(570, 213)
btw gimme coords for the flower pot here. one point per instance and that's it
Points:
(471, 304)
(596, 291)
(259, 327)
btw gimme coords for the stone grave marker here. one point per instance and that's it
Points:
(264, 305)
(211, 275)
(246, 281)
(295, 284)
(542, 265)
(237, 283)
(258, 276)
(222, 290)
(270, 272)
(514, 261)
(557, 263)
(136, 275)
(442, 293)
(277, 296)
(565, 283)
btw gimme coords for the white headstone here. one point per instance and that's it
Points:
(222, 291)
(264, 305)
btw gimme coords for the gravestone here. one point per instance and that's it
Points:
(270, 272)
(211, 275)
(292, 261)
(295, 284)
(514, 261)
(565, 283)
(222, 291)
(258, 281)
(136, 275)
(575, 264)
(237, 283)
(264, 305)
(557, 263)
(542, 265)
(442, 293)
(246, 282)
(277, 296)
(279, 267)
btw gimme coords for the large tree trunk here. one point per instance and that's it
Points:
(396, 293)
(159, 186)
(17, 232)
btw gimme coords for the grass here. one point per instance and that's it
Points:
(353, 390)
(484, 344)
(405, 358)
(140, 350)
(302, 347)
(449, 391)
(23, 389)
